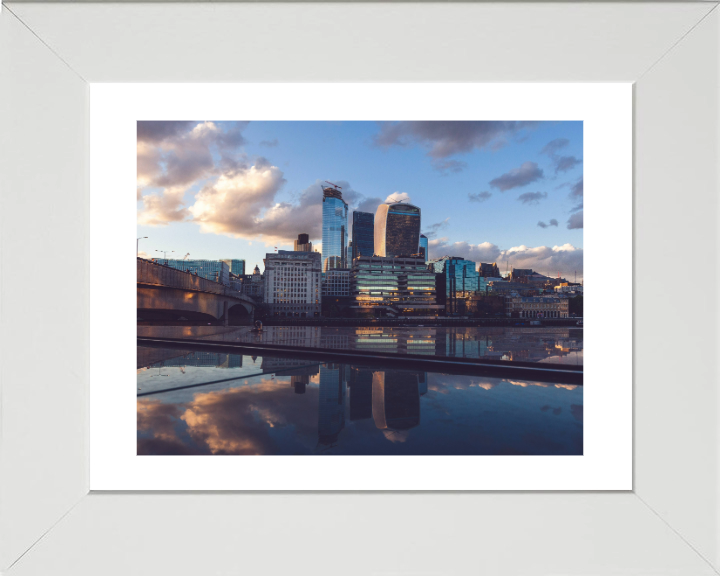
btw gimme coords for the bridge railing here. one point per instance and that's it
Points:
(155, 274)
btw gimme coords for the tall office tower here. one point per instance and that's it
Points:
(363, 235)
(303, 244)
(397, 230)
(424, 247)
(334, 229)
(292, 284)
(237, 267)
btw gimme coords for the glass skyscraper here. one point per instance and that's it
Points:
(424, 246)
(397, 230)
(459, 278)
(363, 234)
(334, 230)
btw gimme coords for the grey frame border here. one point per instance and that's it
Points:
(49, 523)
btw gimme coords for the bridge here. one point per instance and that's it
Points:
(165, 293)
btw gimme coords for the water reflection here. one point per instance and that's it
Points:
(556, 344)
(275, 405)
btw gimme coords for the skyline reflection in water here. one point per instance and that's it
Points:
(550, 344)
(215, 404)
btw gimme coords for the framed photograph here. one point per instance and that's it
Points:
(372, 339)
(359, 270)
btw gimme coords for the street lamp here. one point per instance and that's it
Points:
(165, 253)
(137, 251)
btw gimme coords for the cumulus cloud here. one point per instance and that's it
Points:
(526, 173)
(161, 209)
(485, 252)
(564, 259)
(243, 205)
(398, 197)
(575, 221)
(553, 222)
(562, 163)
(154, 132)
(432, 230)
(479, 196)
(532, 197)
(173, 156)
(443, 139)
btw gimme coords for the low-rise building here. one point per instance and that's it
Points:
(567, 289)
(336, 282)
(399, 286)
(292, 284)
(252, 285)
(216, 270)
(536, 307)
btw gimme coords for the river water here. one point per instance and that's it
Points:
(199, 402)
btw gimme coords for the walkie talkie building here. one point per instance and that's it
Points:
(397, 230)
(334, 230)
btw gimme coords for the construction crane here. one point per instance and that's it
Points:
(335, 185)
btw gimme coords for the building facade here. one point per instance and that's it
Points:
(397, 230)
(334, 230)
(237, 267)
(252, 285)
(336, 282)
(363, 235)
(536, 307)
(292, 284)
(216, 270)
(489, 270)
(303, 244)
(456, 280)
(393, 287)
(424, 247)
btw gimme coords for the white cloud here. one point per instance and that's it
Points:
(398, 197)
(565, 259)
(161, 209)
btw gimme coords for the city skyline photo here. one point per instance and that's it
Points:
(505, 192)
(360, 288)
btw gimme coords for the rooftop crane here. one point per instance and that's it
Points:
(336, 186)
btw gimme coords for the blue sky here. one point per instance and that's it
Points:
(237, 190)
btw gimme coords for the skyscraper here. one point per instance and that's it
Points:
(397, 230)
(334, 229)
(303, 244)
(363, 234)
(424, 247)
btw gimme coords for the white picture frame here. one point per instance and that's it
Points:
(49, 523)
